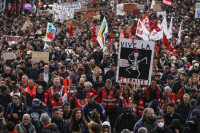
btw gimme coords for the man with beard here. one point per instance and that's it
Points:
(179, 84)
(171, 114)
(58, 121)
(125, 120)
(147, 121)
(25, 126)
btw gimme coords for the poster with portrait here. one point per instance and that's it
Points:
(135, 61)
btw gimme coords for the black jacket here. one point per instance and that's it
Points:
(183, 110)
(165, 130)
(59, 123)
(169, 119)
(125, 121)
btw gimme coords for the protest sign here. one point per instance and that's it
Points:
(75, 24)
(112, 3)
(157, 6)
(9, 56)
(163, 14)
(120, 9)
(135, 61)
(129, 7)
(27, 6)
(75, 5)
(61, 12)
(197, 11)
(11, 39)
(167, 2)
(38, 56)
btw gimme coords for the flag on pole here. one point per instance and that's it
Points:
(110, 40)
(101, 38)
(46, 47)
(123, 34)
(93, 37)
(146, 21)
(169, 32)
(70, 31)
(142, 31)
(50, 33)
(155, 26)
(179, 33)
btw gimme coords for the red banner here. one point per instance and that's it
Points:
(167, 2)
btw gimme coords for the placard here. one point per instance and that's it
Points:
(9, 56)
(38, 56)
(11, 39)
(197, 11)
(129, 7)
(135, 60)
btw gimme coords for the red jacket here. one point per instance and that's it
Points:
(106, 100)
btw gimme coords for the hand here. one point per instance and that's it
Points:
(15, 116)
(43, 104)
(3, 121)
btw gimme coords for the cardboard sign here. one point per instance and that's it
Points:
(129, 7)
(120, 9)
(11, 39)
(157, 7)
(75, 24)
(9, 56)
(38, 56)
(135, 60)
(89, 15)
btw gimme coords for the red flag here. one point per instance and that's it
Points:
(155, 26)
(167, 42)
(40, 4)
(111, 37)
(146, 21)
(93, 37)
(130, 32)
(167, 2)
(123, 34)
(156, 47)
(70, 31)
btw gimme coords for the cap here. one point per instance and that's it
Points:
(80, 69)
(157, 74)
(17, 95)
(108, 80)
(90, 95)
(106, 124)
(34, 63)
(196, 64)
(68, 60)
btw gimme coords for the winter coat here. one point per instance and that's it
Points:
(21, 128)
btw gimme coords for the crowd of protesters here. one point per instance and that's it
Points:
(77, 90)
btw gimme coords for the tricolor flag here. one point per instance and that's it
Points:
(142, 31)
(46, 47)
(101, 38)
(51, 30)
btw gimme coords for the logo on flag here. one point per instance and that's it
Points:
(167, 2)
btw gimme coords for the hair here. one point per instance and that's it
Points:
(186, 94)
(129, 91)
(72, 119)
(171, 104)
(45, 119)
(160, 117)
(95, 116)
(95, 128)
(88, 83)
(146, 110)
(66, 104)
(10, 126)
(142, 130)
(54, 109)
(167, 87)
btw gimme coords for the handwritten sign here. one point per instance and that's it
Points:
(9, 56)
(38, 56)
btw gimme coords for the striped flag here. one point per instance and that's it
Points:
(101, 38)
(46, 47)
(51, 30)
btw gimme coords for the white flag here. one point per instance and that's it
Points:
(179, 33)
(141, 31)
(156, 35)
(169, 33)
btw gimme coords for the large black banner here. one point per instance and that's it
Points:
(135, 61)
